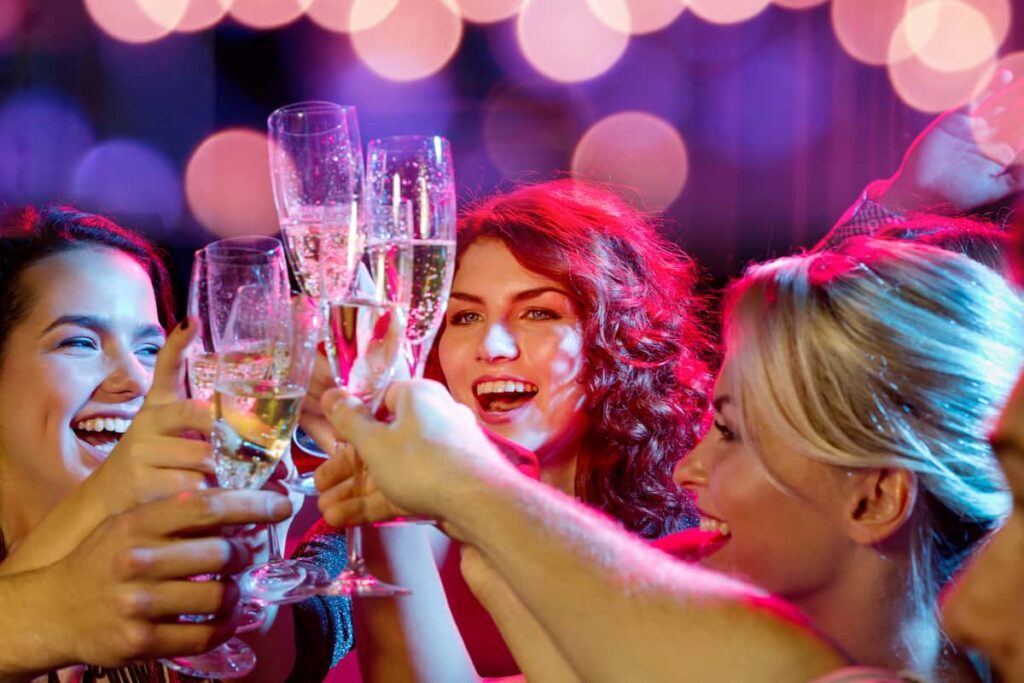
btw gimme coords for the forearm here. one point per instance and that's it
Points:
(412, 638)
(616, 608)
(27, 623)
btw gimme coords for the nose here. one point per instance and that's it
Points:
(497, 344)
(692, 471)
(127, 379)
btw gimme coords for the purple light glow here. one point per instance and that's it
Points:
(42, 137)
(130, 180)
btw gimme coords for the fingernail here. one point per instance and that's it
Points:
(184, 324)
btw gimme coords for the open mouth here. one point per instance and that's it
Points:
(501, 396)
(101, 434)
(713, 525)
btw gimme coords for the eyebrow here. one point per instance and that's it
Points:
(721, 401)
(103, 326)
(519, 296)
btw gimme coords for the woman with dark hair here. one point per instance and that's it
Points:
(573, 331)
(101, 515)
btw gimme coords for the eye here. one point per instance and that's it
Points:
(76, 343)
(464, 318)
(540, 314)
(726, 433)
(148, 350)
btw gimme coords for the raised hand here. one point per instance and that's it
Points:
(117, 596)
(966, 158)
(432, 446)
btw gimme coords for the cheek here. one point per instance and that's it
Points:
(561, 352)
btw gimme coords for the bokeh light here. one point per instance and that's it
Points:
(42, 136)
(635, 150)
(565, 41)
(998, 14)
(129, 179)
(136, 21)
(346, 16)
(12, 14)
(947, 35)
(865, 28)
(203, 14)
(416, 39)
(727, 11)
(799, 4)
(637, 16)
(267, 14)
(488, 11)
(527, 130)
(927, 89)
(227, 184)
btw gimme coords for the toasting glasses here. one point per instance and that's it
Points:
(418, 170)
(316, 162)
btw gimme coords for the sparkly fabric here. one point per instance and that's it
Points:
(865, 217)
(323, 624)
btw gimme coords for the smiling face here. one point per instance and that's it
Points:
(785, 534)
(985, 610)
(512, 349)
(74, 373)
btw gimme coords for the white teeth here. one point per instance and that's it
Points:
(118, 425)
(505, 387)
(709, 524)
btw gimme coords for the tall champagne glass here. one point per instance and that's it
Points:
(316, 163)
(418, 169)
(366, 331)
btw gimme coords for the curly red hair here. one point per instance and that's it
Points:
(645, 373)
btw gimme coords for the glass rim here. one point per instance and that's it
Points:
(310, 106)
(273, 246)
(423, 140)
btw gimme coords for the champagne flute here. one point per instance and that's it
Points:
(418, 169)
(316, 164)
(366, 330)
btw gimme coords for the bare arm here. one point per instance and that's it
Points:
(616, 608)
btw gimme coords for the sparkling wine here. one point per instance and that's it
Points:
(323, 255)
(365, 338)
(253, 423)
(433, 262)
(202, 375)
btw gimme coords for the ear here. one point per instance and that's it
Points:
(880, 501)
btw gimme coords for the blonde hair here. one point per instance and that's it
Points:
(884, 354)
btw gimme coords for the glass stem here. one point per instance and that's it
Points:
(354, 534)
(273, 544)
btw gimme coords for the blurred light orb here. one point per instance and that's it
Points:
(227, 184)
(928, 89)
(12, 14)
(42, 137)
(727, 11)
(136, 21)
(948, 35)
(637, 16)
(203, 14)
(488, 11)
(865, 28)
(998, 14)
(799, 4)
(565, 41)
(267, 14)
(128, 178)
(416, 39)
(527, 130)
(348, 16)
(635, 150)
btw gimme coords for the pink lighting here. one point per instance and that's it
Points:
(488, 11)
(347, 16)
(565, 41)
(928, 89)
(267, 14)
(799, 4)
(12, 13)
(865, 28)
(203, 14)
(638, 151)
(727, 11)
(999, 128)
(136, 21)
(637, 16)
(227, 184)
(415, 40)
(948, 35)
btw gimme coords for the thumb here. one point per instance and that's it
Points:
(349, 417)
(170, 363)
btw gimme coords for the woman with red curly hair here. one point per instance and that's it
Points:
(573, 331)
